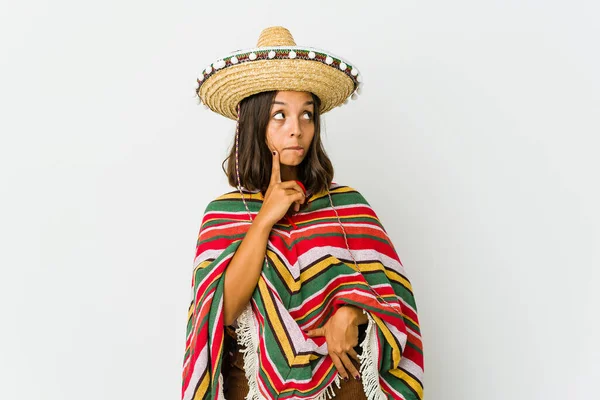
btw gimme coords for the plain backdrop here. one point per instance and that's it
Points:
(475, 140)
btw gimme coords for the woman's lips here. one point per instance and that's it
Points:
(297, 149)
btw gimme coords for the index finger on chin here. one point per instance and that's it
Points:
(275, 171)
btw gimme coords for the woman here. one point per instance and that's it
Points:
(288, 301)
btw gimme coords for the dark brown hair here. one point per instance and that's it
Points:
(255, 158)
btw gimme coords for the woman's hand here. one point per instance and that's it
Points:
(280, 196)
(341, 334)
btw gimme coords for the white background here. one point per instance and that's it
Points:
(475, 140)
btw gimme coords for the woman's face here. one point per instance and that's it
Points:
(290, 129)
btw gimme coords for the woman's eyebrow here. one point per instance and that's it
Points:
(285, 104)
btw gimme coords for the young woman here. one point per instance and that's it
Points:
(297, 290)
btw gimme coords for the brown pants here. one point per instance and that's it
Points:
(235, 384)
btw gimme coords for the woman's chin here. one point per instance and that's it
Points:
(291, 162)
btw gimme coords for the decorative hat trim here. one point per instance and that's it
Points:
(282, 52)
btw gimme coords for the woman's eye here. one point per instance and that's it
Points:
(307, 114)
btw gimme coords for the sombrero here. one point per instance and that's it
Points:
(276, 63)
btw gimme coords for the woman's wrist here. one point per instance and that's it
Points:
(262, 223)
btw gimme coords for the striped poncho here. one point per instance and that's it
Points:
(308, 275)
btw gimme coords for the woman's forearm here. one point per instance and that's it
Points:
(241, 275)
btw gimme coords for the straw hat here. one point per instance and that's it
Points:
(276, 63)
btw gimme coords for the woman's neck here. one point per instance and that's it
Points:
(288, 173)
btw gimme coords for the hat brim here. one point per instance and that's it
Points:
(224, 88)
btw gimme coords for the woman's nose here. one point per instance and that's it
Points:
(295, 129)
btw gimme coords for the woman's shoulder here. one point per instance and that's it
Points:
(232, 200)
(236, 194)
(354, 201)
(346, 193)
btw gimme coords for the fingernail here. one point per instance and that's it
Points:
(274, 152)
(357, 377)
(345, 378)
